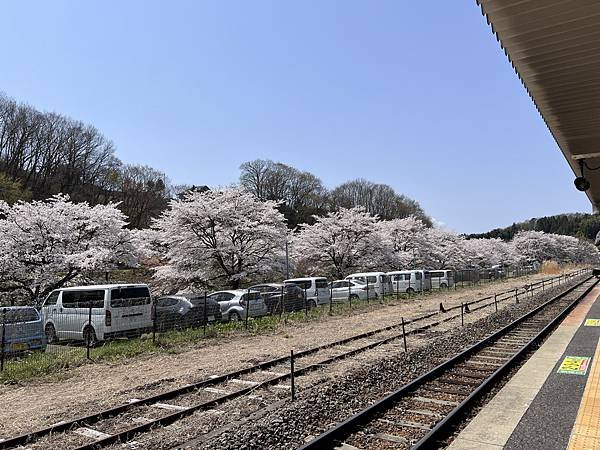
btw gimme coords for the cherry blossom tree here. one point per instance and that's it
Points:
(218, 237)
(405, 242)
(338, 243)
(46, 244)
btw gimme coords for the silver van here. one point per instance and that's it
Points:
(315, 288)
(21, 330)
(410, 280)
(117, 310)
(378, 281)
(441, 279)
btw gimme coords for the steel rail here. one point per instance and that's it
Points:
(345, 428)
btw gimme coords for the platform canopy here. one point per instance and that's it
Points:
(554, 47)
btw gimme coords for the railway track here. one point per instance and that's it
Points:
(123, 422)
(420, 414)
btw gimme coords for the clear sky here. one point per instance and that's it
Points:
(417, 95)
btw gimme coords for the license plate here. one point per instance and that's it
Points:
(19, 347)
(211, 318)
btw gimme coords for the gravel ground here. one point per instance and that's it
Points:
(323, 406)
(92, 387)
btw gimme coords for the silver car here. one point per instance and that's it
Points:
(344, 290)
(236, 303)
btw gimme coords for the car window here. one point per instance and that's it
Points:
(303, 284)
(83, 299)
(372, 279)
(337, 285)
(436, 274)
(52, 298)
(252, 296)
(407, 276)
(129, 296)
(166, 301)
(321, 284)
(418, 275)
(225, 296)
(18, 315)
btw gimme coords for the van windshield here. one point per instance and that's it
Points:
(129, 296)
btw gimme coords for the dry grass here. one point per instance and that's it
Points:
(550, 268)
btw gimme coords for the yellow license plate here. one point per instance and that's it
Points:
(19, 347)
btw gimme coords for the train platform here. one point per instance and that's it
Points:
(553, 401)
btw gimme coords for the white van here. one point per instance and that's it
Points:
(378, 281)
(410, 280)
(116, 310)
(316, 289)
(441, 279)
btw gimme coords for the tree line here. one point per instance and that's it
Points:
(585, 226)
(43, 154)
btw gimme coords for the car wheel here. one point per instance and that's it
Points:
(443, 286)
(354, 297)
(51, 336)
(234, 317)
(312, 304)
(89, 336)
(410, 291)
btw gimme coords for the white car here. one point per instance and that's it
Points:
(346, 290)
(237, 303)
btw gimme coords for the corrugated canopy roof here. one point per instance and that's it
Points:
(554, 46)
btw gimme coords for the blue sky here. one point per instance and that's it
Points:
(417, 95)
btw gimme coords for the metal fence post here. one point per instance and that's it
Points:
(462, 314)
(153, 311)
(397, 288)
(368, 300)
(350, 293)
(305, 303)
(404, 335)
(89, 336)
(517, 296)
(205, 317)
(282, 308)
(292, 375)
(331, 299)
(247, 308)
(2, 345)
(496, 301)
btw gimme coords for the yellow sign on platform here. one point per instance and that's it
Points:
(592, 322)
(575, 365)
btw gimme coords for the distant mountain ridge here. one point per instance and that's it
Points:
(573, 224)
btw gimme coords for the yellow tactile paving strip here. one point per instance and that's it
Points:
(586, 432)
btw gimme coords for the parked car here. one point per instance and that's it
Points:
(345, 290)
(441, 279)
(181, 311)
(21, 330)
(315, 288)
(236, 303)
(117, 310)
(293, 296)
(410, 280)
(378, 281)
